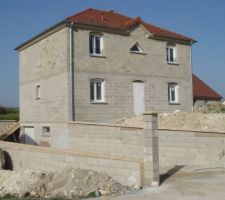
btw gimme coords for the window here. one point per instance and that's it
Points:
(97, 87)
(95, 44)
(173, 92)
(171, 53)
(38, 91)
(46, 131)
(136, 48)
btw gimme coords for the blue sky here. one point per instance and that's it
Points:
(201, 19)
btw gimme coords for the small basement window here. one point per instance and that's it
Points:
(46, 131)
(38, 91)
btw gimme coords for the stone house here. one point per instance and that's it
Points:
(203, 93)
(100, 66)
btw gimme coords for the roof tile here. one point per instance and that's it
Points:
(115, 20)
(202, 91)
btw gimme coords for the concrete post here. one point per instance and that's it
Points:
(151, 150)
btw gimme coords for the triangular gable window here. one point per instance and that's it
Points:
(136, 48)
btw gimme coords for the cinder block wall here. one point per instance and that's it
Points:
(191, 148)
(125, 171)
(112, 140)
(45, 63)
(176, 147)
(119, 68)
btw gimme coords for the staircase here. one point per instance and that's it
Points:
(7, 128)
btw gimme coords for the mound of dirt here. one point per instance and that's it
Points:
(182, 121)
(69, 183)
(216, 107)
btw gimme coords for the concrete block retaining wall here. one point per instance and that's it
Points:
(177, 147)
(126, 171)
(105, 139)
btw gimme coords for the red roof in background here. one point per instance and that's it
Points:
(114, 20)
(202, 91)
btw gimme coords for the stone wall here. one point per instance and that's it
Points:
(106, 139)
(193, 148)
(102, 143)
(21, 156)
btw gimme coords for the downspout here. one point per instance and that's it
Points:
(71, 76)
(192, 77)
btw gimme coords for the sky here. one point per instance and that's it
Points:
(203, 20)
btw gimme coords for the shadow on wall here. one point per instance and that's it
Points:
(8, 161)
(15, 137)
(28, 140)
(172, 171)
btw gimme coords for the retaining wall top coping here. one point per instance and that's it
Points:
(195, 131)
(63, 152)
(104, 124)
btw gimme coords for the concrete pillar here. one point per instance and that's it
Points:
(151, 150)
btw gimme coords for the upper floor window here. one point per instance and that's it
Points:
(38, 91)
(171, 53)
(96, 43)
(173, 93)
(97, 90)
(136, 48)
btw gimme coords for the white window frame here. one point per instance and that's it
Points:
(170, 59)
(95, 81)
(173, 87)
(100, 36)
(38, 91)
(139, 48)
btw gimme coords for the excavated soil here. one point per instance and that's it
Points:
(68, 183)
(208, 118)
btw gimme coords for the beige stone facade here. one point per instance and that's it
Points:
(48, 61)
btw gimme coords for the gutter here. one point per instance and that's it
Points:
(191, 74)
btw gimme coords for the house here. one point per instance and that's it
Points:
(100, 66)
(203, 94)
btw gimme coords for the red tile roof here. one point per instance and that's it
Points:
(202, 91)
(114, 20)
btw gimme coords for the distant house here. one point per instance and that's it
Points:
(202, 93)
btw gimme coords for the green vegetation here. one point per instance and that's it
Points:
(11, 197)
(9, 113)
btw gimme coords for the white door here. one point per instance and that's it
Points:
(29, 135)
(139, 97)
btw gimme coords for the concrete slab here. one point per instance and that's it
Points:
(185, 184)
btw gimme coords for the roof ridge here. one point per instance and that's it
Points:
(79, 13)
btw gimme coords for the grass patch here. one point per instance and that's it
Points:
(11, 197)
(9, 114)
